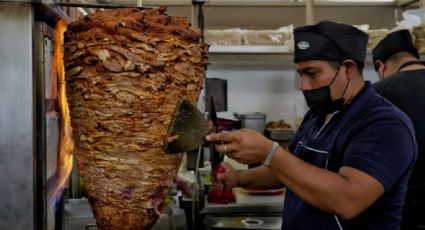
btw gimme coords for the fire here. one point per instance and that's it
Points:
(66, 145)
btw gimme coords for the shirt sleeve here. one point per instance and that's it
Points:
(385, 150)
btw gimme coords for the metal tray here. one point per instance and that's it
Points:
(280, 134)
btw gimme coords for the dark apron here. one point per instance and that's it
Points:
(316, 151)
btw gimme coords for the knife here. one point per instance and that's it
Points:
(187, 130)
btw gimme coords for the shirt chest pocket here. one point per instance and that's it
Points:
(314, 152)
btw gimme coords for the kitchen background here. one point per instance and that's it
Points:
(260, 78)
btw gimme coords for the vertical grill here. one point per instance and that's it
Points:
(30, 120)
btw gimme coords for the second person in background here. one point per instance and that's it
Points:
(402, 77)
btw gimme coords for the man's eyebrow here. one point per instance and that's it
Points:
(305, 69)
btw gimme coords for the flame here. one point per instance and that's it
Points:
(66, 145)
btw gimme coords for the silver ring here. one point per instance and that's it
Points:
(225, 148)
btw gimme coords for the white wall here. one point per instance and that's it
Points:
(370, 74)
(270, 90)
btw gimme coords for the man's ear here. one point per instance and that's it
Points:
(350, 68)
(380, 68)
(378, 64)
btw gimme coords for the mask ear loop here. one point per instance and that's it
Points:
(345, 90)
(337, 72)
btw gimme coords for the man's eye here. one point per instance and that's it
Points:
(310, 74)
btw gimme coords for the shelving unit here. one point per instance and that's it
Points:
(272, 54)
(249, 49)
(405, 3)
(247, 55)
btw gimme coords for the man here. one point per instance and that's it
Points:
(339, 171)
(403, 83)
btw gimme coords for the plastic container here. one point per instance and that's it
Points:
(224, 37)
(265, 37)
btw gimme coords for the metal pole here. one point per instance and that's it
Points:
(193, 19)
(309, 12)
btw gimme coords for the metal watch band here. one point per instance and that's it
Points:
(270, 154)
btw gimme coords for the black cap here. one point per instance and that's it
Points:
(330, 41)
(393, 43)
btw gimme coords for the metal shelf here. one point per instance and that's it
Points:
(404, 3)
(249, 49)
(245, 54)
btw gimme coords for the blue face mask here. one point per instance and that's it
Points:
(320, 101)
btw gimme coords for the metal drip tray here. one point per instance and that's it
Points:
(252, 222)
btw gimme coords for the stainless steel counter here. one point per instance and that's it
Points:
(235, 216)
(231, 216)
(233, 208)
(245, 222)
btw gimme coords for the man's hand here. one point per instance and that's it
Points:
(245, 145)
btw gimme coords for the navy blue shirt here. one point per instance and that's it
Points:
(371, 135)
